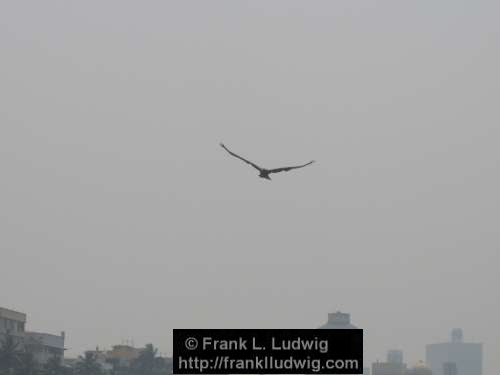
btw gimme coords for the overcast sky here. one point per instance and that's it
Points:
(121, 217)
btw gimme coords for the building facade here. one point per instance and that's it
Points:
(395, 356)
(123, 355)
(42, 345)
(388, 368)
(338, 320)
(420, 368)
(393, 366)
(12, 322)
(455, 357)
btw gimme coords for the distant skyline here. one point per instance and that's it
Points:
(121, 217)
(328, 324)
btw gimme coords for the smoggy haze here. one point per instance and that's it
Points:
(121, 217)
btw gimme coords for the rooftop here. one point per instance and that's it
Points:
(338, 320)
(12, 315)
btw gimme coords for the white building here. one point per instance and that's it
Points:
(44, 346)
(455, 357)
(12, 322)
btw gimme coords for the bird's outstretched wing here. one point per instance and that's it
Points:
(239, 157)
(286, 169)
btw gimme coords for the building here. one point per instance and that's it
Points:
(119, 360)
(420, 369)
(395, 356)
(12, 322)
(44, 346)
(393, 366)
(101, 359)
(450, 368)
(339, 320)
(388, 368)
(123, 355)
(455, 357)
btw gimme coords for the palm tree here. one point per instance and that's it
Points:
(88, 365)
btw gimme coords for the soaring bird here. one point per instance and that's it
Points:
(263, 172)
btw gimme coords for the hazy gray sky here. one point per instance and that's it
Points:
(122, 217)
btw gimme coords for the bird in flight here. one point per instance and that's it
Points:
(263, 172)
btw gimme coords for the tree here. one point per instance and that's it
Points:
(146, 363)
(28, 364)
(53, 366)
(118, 368)
(88, 365)
(10, 354)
